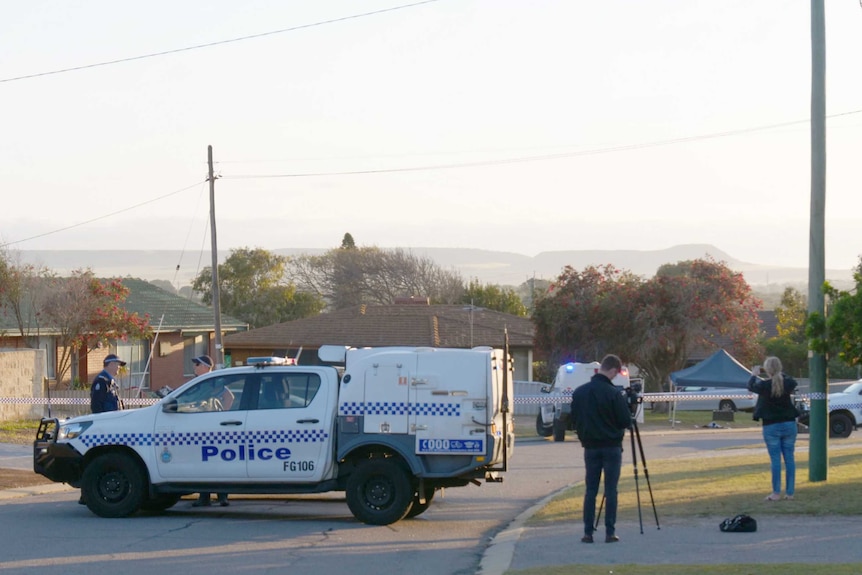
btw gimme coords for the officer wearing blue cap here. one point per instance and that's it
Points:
(103, 391)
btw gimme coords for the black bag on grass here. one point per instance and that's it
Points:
(739, 524)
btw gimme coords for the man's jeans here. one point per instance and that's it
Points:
(599, 460)
(780, 442)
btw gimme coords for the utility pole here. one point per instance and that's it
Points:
(219, 349)
(818, 460)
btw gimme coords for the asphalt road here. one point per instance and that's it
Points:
(307, 534)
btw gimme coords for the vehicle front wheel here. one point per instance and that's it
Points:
(541, 429)
(113, 485)
(840, 425)
(379, 492)
(726, 405)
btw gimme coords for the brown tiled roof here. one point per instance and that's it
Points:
(385, 325)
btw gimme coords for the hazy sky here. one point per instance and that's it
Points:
(521, 126)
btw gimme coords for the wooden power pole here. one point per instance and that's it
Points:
(219, 348)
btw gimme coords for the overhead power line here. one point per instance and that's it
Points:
(102, 217)
(523, 159)
(218, 42)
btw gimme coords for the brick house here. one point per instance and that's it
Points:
(182, 329)
(413, 323)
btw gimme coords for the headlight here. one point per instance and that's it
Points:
(73, 430)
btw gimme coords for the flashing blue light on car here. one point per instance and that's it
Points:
(570, 367)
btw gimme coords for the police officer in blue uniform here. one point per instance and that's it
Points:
(103, 391)
(204, 364)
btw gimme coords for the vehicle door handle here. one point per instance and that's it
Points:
(231, 422)
(308, 421)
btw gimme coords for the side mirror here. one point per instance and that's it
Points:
(170, 406)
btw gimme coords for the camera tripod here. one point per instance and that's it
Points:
(634, 433)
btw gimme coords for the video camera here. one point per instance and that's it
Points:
(633, 396)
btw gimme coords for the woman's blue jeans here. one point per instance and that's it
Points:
(780, 442)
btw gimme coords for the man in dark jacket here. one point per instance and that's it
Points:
(601, 416)
(103, 391)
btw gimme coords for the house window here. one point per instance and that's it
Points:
(194, 346)
(135, 353)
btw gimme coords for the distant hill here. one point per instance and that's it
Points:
(504, 268)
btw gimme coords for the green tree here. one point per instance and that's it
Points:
(792, 314)
(839, 333)
(253, 287)
(493, 297)
(790, 345)
(347, 242)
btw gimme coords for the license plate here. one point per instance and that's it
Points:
(451, 446)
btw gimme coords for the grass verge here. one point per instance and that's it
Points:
(722, 486)
(719, 487)
(20, 431)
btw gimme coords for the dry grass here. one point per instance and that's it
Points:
(21, 431)
(720, 486)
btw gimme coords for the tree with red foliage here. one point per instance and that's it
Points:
(654, 324)
(87, 311)
(579, 317)
(691, 305)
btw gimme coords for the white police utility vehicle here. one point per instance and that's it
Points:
(396, 425)
(554, 416)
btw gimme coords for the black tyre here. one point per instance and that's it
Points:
(840, 425)
(160, 502)
(379, 492)
(420, 508)
(541, 429)
(726, 405)
(560, 425)
(113, 485)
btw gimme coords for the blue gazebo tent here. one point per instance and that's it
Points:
(718, 370)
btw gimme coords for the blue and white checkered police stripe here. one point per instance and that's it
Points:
(447, 409)
(205, 438)
(288, 436)
(398, 408)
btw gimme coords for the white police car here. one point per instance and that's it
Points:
(399, 424)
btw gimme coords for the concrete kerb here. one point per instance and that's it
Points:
(498, 555)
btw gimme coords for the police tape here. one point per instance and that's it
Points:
(518, 399)
(656, 397)
(70, 401)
